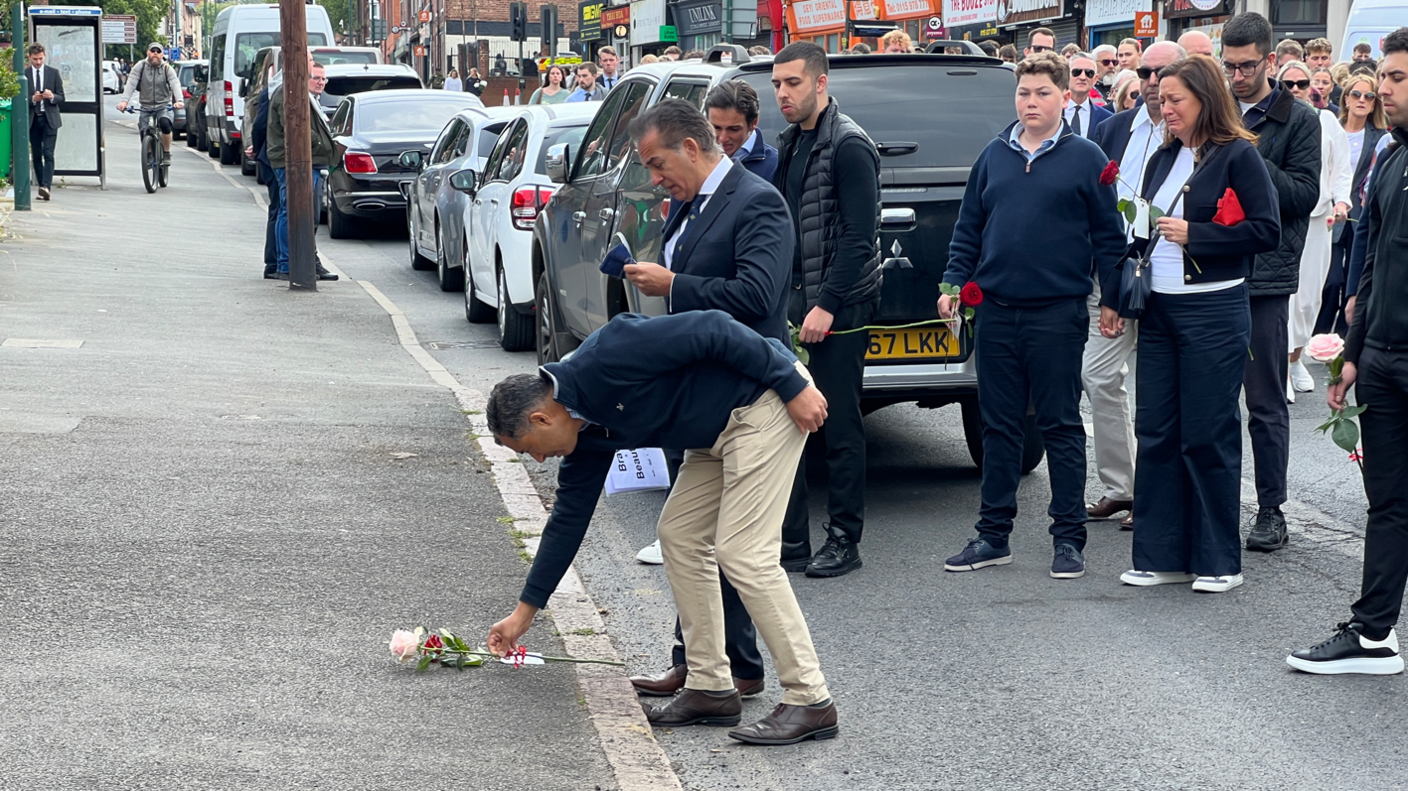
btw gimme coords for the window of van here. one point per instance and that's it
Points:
(247, 45)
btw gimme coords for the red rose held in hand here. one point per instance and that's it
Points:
(971, 295)
(1109, 174)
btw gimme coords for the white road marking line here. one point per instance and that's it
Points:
(34, 343)
(637, 760)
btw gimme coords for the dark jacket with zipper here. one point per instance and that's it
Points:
(855, 278)
(761, 161)
(1214, 252)
(1289, 140)
(664, 382)
(1381, 312)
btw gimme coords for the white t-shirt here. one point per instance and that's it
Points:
(1166, 264)
(1356, 147)
(1246, 106)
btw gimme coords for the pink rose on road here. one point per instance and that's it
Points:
(1324, 348)
(405, 645)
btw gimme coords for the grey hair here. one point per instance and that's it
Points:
(674, 120)
(1110, 48)
(513, 400)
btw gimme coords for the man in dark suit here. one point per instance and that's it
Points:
(1082, 113)
(732, 107)
(727, 246)
(46, 94)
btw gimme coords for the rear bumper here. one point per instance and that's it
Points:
(936, 383)
(372, 204)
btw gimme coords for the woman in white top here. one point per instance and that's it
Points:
(1194, 332)
(453, 82)
(552, 91)
(1336, 167)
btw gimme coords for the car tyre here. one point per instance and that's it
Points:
(229, 154)
(1033, 447)
(191, 139)
(476, 310)
(340, 225)
(418, 262)
(451, 278)
(545, 322)
(202, 142)
(515, 329)
(213, 149)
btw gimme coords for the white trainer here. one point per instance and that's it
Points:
(651, 555)
(1290, 391)
(1301, 379)
(1145, 579)
(1217, 584)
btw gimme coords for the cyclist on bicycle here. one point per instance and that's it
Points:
(158, 90)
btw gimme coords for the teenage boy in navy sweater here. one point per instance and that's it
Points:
(1035, 227)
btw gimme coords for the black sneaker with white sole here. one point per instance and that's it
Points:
(979, 554)
(1349, 651)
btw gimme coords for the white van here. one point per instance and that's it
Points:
(240, 32)
(1370, 21)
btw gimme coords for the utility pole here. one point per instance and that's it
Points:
(727, 32)
(298, 147)
(19, 113)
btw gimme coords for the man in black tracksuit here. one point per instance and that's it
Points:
(1288, 133)
(829, 173)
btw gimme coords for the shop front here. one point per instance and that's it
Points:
(700, 23)
(822, 22)
(914, 17)
(1206, 16)
(649, 34)
(1111, 21)
(974, 20)
(589, 33)
(616, 28)
(1018, 18)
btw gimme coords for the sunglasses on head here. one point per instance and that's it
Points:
(1145, 72)
(1370, 95)
(1087, 72)
(1299, 85)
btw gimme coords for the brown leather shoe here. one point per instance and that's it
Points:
(791, 724)
(661, 685)
(749, 687)
(695, 707)
(44, 193)
(1107, 508)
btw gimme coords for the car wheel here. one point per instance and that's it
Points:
(476, 310)
(229, 154)
(1033, 447)
(340, 226)
(418, 262)
(515, 329)
(545, 322)
(202, 142)
(191, 139)
(451, 278)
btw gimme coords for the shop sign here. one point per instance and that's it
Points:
(934, 28)
(589, 20)
(669, 34)
(699, 16)
(813, 14)
(968, 12)
(1146, 24)
(1183, 9)
(1016, 12)
(615, 17)
(1111, 12)
(863, 10)
(647, 20)
(896, 9)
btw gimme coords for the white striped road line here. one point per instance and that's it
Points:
(637, 760)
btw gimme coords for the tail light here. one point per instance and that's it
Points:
(229, 99)
(357, 162)
(527, 202)
(185, 93)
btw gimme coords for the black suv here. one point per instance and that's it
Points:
(930, 115)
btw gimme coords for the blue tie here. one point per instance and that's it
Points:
(684, 234)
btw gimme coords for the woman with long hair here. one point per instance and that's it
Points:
(1336, 167)
(552, 91)
(1219, 211)
(1126, 94)
(453, 82)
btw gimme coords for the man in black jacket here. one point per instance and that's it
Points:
(1288, 134)
(829, 174)
(696, 380)
(1376, 365)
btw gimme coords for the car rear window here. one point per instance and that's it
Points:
(337, 57)
(952, 112)
(569, 135)
(406, 114)
(345, 86)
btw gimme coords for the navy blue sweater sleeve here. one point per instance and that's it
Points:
(762, 249)
(579, 481)
(697, 336)
(966, 246)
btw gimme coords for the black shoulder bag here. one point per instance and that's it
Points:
(1137, 276)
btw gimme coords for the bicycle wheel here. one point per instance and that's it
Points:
(163, 168)
(151, 162)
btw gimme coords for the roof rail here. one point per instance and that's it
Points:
(940, 45)
(727, 55)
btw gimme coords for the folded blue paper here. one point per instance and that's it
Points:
(614, 264)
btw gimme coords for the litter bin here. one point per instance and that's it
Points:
(4, 139)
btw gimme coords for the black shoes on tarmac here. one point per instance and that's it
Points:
(1269, 532)
(1349, 651)
(836, 558)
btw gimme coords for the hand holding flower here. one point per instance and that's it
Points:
(1334, 395)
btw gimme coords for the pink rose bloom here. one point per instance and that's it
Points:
(1325, 348)
(405, 645)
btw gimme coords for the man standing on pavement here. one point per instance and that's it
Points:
(829, 174)
(1036, 231)
(609, 60)
(728, 246)
(696, 380)
(1289, 141)
(322, 150)
(586, 89)
(1082, 114)
(46, 94)
(157, 86)
(1129, 138)
(733, 107)
(258, 138)
(1376, 365)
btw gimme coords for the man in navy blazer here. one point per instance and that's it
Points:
(733, 112)
(1082, 114)
(728, 246)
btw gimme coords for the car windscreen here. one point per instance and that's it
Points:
(247, 45)
(337, 58)
(571, 135)
(952, 112)
(406, 115)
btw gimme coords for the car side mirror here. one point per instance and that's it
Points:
(412, 159)
(465, 181)
(558, 163)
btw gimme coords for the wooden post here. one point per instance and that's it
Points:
(298, 157)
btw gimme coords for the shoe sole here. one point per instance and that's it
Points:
(1067, 575)
(1140, 582)
(819, 735)
(715, 722)
(1214, 587)
(795, 566)
(1258, 546)
(1366, 666)
(836, 572)
(651, 693)
(982, 565)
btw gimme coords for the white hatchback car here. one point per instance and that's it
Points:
(499, 217)
(112, 77)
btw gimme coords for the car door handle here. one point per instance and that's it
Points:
(478, 202)
(579, 216)
(494, 201)
(606, 214)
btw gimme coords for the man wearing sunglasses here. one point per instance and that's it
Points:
(1083, 114)
(1043, 39)
(1289, 142)
(1108, 65)
(157, 89)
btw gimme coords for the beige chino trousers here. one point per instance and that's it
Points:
(726, 511)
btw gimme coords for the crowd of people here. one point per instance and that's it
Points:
(1200, 208)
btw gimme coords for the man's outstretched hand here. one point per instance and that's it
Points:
(503, 636)
(808, 409)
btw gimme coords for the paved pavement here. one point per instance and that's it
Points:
(998, 679)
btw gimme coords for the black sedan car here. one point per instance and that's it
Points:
(371, 131)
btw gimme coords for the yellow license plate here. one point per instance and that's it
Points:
(912, 344)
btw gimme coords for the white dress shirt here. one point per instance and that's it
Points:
(716, 177)
(1145, 137)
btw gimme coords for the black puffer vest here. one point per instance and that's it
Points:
(819, 220)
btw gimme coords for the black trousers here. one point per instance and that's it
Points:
(1031, 357)
(837, 367)
(740, 637)
(41, 144)
(271, 238)
(1331, 316)
(1188, 474)
(1382, 383)
(1268, 416)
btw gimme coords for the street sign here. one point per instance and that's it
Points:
(424, 16)
(669, 33)
(1146, 24)
(119, 29)
(420, 51)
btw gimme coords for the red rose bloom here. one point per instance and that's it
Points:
(1109, 174)
(971, 295)
(433, 641)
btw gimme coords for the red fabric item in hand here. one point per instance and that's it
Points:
(1229, 209)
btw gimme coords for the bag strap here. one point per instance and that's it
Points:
(1198, 164)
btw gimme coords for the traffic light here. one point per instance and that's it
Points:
(518, 21)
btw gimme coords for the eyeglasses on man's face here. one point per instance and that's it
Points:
(1247, 68)
(1109, 62)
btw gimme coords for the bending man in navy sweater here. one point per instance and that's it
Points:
(744, 405)
(1034, 227)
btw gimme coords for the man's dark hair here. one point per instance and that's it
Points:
(513, 400)
(1397, 41)
(1041, 31)
(672, 50)
(589, 66)
(674, 120)
(1363, 46)
(861, 49)
(35, 49)
(734, 95)
(989, 48)
(1247, 29)
(811, 55)
(1368, 67)
(694, 54)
